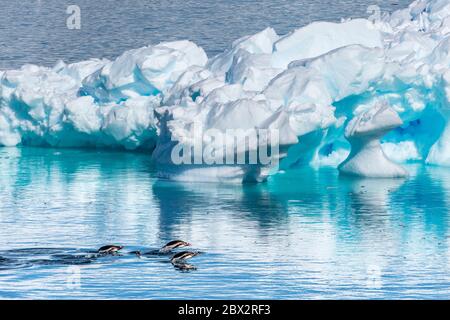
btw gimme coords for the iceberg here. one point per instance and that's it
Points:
(367, 158)
(318, 88)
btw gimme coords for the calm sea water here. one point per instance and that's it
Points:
(304, 234)
(34, 31)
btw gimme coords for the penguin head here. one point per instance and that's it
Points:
(185, 244)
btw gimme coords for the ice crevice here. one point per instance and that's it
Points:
(320, 86)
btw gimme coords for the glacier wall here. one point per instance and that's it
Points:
(308, 84)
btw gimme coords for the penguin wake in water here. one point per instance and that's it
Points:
(137, 253)
(109, 249)
(184, 266)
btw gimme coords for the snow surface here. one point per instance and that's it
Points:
(309, 84)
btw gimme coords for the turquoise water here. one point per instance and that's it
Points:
(304, 234)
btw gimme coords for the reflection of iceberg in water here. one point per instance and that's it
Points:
(430, 194)
(441, 179)
(94, 191)
(251, 222)
(372, 196)
(307, 221)
(178, 203)
(306, 233)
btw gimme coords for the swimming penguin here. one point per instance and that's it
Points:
(109, 249)
(183, 256)
(174, 244)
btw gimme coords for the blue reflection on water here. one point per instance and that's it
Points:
(304, 234)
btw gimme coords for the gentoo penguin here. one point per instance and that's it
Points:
(183, 256)
(109, 249)
(174, 244)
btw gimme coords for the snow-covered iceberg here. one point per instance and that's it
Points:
(307, 86)
(94, 102)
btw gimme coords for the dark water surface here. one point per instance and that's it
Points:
(35, 31)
